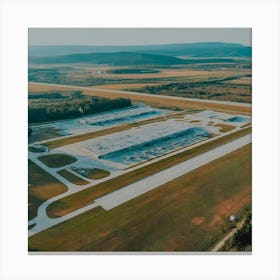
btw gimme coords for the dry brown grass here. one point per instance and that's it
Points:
(71, 177)
(178, 216)
(97, 173)
(126, 86)
(164, 73)
(240, 81)
(157, 100)
(42, 187)
(245, 125)
(224, 127)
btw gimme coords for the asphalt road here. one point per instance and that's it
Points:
(119, 197)
(131, 191)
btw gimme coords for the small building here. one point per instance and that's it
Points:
(232, 218)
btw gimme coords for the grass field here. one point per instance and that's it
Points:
(97, 173)
(85, 197)
(35, 150)
(57, 160)
(164, 73)
(189, 213)
(42, 186)
(71, 177)
(245, 125)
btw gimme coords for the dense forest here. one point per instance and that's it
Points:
(51, 106)
(242, 239)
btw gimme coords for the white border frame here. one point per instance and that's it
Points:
(262, 16)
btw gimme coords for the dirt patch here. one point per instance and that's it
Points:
(217, 220)
(230, 206)
(197, 220)
(233, 204)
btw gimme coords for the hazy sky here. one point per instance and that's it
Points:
(136, 36)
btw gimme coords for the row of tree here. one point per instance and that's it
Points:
(44, 110)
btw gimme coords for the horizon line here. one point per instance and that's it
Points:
(139, 44)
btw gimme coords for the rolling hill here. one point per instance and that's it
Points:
(118, 58)
(122, 59)
(203, 49)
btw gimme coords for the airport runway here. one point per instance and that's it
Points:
(119, 197)
(134, 190)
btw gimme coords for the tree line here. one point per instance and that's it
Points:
(52, 109)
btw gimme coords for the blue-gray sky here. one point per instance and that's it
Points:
(136, 36)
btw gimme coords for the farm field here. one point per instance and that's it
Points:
(149, 223)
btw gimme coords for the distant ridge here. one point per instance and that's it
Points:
(201, 49)
(116, 58)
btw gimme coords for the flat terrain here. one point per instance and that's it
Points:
(153, 100)
(127, 86)
(97, 173)
(42, 186)
(186, 214)
(109, 171)
(81, 137)
(71, 177)
(208, 81)
(85, 197)
(162, 73)
(241, 81)
(56, 160)
(225, 127)
(35, 149)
